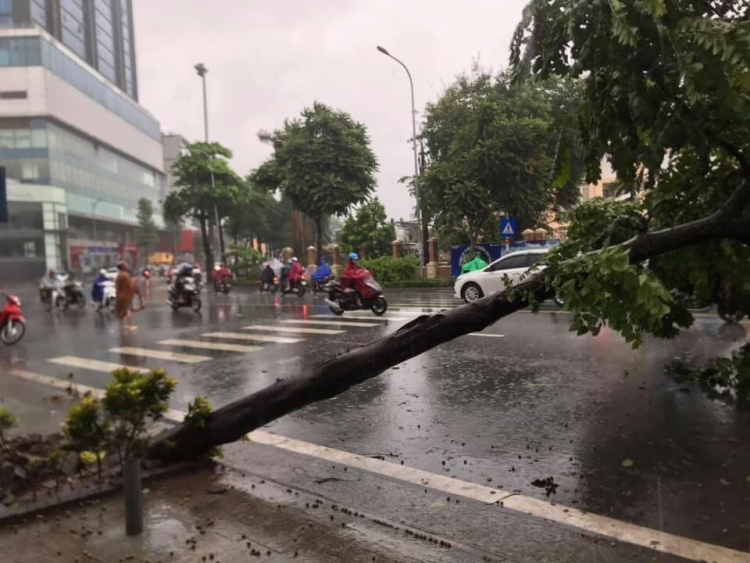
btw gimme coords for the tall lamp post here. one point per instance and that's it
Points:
(201, 69)
(422, 232)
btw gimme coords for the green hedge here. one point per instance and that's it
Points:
(387, 269)
(419, 283)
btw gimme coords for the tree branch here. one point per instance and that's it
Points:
(235, 420)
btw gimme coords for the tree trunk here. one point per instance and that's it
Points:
(206, 239)
(425, 230)
(318, 236)
(221, 243)
(335, 376)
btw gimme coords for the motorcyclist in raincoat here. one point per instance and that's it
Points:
(322, 273)
(97, 290)
(476, 264)
(356, 276)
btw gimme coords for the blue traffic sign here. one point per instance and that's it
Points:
(508, 228)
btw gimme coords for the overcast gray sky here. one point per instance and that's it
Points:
(268, 59)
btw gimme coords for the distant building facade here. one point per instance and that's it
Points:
(78, 149)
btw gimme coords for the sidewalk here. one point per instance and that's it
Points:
(206, 516)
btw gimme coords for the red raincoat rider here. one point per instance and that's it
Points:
(356, 277)
(296, 271)
(221, 273)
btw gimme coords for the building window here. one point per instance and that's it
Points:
(29, 249)
(608, 190)
(20, 51)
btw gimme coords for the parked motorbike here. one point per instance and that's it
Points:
(340, 300)
(320, 285)
(12, 321)
(222, 287)
(186, 296)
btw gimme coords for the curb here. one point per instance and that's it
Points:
(10, 516)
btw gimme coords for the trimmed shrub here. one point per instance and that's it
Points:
(387, 269)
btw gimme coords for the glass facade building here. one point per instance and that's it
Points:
(100, 32)
(78, 150)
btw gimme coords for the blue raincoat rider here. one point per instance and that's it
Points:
(323, 271)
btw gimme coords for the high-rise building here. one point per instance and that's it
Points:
(78, 149)
(98, 31)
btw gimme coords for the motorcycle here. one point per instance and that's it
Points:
(340, 300)
(299, 287)
(269, 287)
(222, 287)
(72, 294)
(12, 321)
(320, 285)
(108, 296)
(48, 297)
(187, 296)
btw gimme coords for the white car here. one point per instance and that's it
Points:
(475, 285)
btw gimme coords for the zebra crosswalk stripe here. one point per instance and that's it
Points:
(293, 329)
(92, 365)
(332, 323)
(160, 355)
(253, 337)
(220, 346)
(373, 317)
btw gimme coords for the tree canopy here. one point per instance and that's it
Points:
(195, 197)
(667, 99)
(322, 161)
(367, 229)
(491, 150)
(147, 234)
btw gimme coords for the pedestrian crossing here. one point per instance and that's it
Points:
(159, 355)
(300, 330)
(253, 337)
(250, 339)
(219, 346)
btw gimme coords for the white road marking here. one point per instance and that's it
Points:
(487, 335)
(211, 345)
(255, 337)
(384, 318)
(333, 323)
(601, 525)
(593, 523)
(92, 365)
(293, 329)
(160, 355)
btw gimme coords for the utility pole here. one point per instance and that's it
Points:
(201, 69)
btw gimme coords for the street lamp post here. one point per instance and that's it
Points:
(421, 231)
(201, 69)
(93, 224)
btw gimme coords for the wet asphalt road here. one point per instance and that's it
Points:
(500, 411)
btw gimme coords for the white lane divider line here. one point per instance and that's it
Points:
(601, 525)
(160, 355)
(254, 337)
(91, 365)
(383, 319)
(593, 523)
(220, 346)
(332, 323)
(293, 329)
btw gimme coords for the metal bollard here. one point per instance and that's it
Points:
(133, 497)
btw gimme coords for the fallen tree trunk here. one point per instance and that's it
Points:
(233, 421)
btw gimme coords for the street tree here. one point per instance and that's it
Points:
(666, 96)
(367, 228)
(195, 197)
(147, 234)
(322, 161)
(491, 150)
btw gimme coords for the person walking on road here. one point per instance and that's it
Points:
(126, 288)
